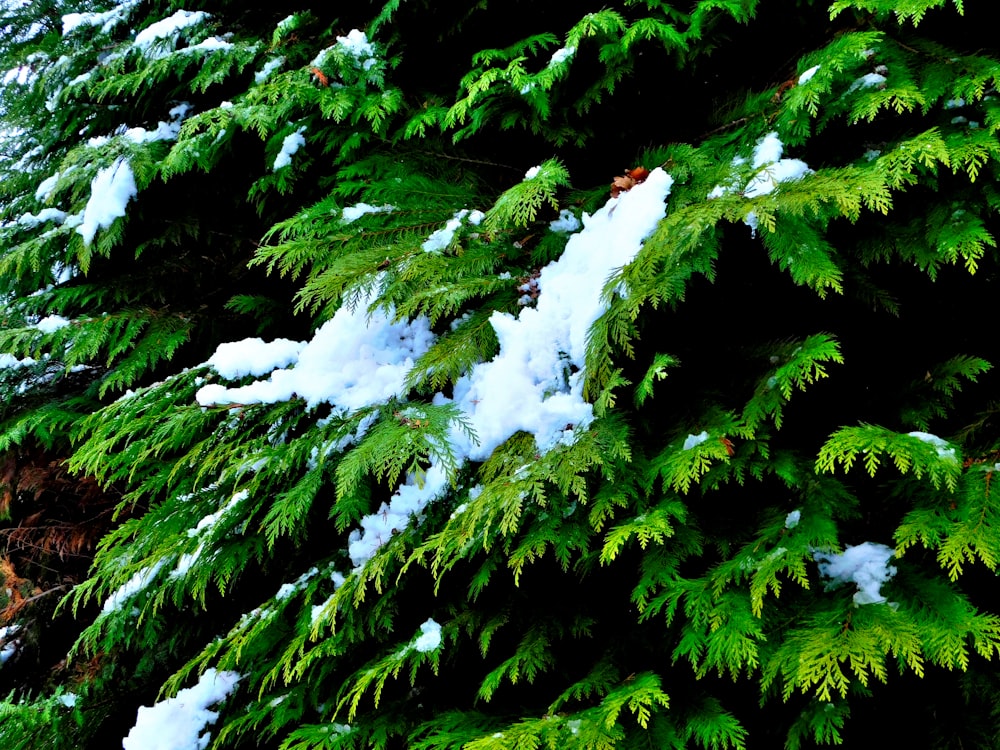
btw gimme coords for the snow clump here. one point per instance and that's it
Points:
(178, 723)
(354, 360)
(430, 637)
(166, 32)
(353, 213)
(807, 75)
(865, 565)
(943, 449)
(110, 192)
(292, 143)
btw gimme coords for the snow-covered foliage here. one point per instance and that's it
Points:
(405, 374)
(179, 723)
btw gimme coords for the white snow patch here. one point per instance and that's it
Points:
(357, 45)
(944, 450)
(773, 171)
(167, 29)
(808, 74)
(532, 173)
(110, 192)
(269, 67)
(353, 213)
(867, 81)
(535, 383)
(210, 44)
(46, 214)
(356, 42)
(178, 723)
(430, 637)
(254, 356)
(866, 565)
(792, 519)
(287, 589)
(694, 440)
(440, 239)
(106, 20)
(10, 644)
(164, 131)
(566, 223)
(46, 186)
(352, 361)
(51, 323)
(561, 55)
(292, 143)
(138, 582)
(68, 699)
(409, 500)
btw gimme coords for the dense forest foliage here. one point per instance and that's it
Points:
(437, 374)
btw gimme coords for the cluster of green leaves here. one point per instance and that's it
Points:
(600, 594)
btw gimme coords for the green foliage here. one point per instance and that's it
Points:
(387, 563)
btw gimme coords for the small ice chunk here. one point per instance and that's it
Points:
(792, 519)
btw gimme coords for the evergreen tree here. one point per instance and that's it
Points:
(355, 394)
